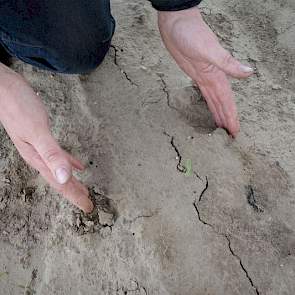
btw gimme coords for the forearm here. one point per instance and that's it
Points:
(10, 82)
(6, 75)
(19, 104)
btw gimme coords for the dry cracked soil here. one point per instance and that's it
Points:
(182, 209)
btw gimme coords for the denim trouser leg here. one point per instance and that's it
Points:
(68, 36)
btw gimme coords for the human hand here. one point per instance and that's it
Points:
(197, 51)
(26, 122)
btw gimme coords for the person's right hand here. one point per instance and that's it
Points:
(26, 122)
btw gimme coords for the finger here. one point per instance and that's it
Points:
(213, 110)
(217, 92)
(224, 96)
(234, 127)
(214, 105)
(73, 190)
(54, 157)
(77, 164)
(221, 58)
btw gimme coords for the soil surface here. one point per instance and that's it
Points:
(182, 209)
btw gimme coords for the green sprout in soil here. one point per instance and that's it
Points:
(188, 167)
(3, 273)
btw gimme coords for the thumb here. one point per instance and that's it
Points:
(55, 158)
(228, 64)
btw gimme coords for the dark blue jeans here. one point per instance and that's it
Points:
(67, 36)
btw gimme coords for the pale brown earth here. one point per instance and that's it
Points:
(225, 228)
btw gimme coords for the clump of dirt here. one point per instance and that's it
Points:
(100, 220)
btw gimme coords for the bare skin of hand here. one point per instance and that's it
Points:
(26, 122)
(197, 51)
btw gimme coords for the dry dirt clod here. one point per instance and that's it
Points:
(276, 87)
(103, 215)
(105, 218)
(89, 223)
(78, 221)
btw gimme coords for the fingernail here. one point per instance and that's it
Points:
(246, 69)
(62, 175)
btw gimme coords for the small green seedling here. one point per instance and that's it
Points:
(3, 273)
(188, 167)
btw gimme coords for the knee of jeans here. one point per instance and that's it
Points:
(69, 59)
(77, 56)
(81, 60)
(86, 53)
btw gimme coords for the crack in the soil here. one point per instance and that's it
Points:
(29, 287)
(179, 166)
(204, 190)
(121, 70)
(197, 175)
(141, 216)
(241, 263)
(196, 203)
(251, 198)
(166, 91)
(200, 218)
(225, 236)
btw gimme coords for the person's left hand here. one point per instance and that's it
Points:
(197, 51)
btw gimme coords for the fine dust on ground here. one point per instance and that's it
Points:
(182, 209)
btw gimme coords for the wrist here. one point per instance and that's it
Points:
(168, 20)
(165, 16)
